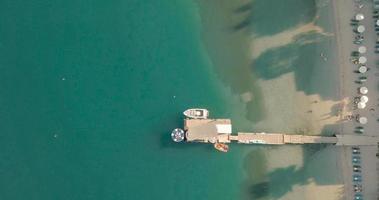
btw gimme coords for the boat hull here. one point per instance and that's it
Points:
(196, 113)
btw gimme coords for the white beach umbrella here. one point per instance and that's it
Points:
(362, 69)
(359, 17)
(363, 120)
(362, 49)
(362, 60)
(361, 29)
(377, 22)
(363, 90)
(364, 99)
(361, 105)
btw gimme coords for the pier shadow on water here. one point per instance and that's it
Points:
(331, 129)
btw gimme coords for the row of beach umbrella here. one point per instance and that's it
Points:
(363, 99)
(362, 104)
(360, 17)
(362, 59)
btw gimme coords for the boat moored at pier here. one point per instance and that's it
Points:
(221, 147)
(196, 113)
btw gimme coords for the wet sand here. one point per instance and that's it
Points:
(303, 99)
(312, 110)
(307, 114)
(262, 44)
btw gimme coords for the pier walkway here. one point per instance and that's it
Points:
(220, 130)
(278, 138)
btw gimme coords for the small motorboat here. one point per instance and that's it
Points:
(221, 147)
(196, 113)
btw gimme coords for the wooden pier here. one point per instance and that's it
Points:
(220, 131)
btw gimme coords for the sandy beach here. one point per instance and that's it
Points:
(344, 11)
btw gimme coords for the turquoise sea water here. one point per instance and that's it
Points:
(90, 90)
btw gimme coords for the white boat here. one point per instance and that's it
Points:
(196, 113)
